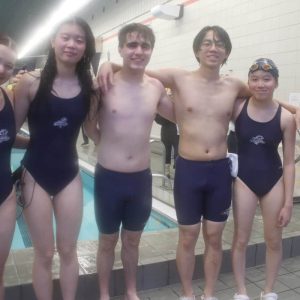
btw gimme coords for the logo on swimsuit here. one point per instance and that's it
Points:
(259, 139)
(63, 122)
(4, 136)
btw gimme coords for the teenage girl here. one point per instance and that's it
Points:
(261, 124)
(56, 102)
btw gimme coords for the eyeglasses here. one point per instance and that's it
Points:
(207, 44)
(265, 67)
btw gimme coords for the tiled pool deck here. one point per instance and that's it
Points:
(157, 275)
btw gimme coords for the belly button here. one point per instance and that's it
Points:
(129, 157)
(206, 151)
(189, 109)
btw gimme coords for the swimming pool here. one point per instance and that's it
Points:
(89, 230)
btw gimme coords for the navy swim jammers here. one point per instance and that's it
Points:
(202, 189)
(122, 198)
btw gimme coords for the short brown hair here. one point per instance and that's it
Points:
(145, 31)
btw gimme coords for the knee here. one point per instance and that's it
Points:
(67, 253)
(240, 244)
(214, 242)
(130, 242)
(108, 244)
(188, 241)
(44, 256)
(274, 244)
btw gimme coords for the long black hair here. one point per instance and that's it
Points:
(83, 68)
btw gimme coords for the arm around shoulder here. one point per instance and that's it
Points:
(90, 124)
(165, 106)
(289, 137)
(23, 91)
(167, 77)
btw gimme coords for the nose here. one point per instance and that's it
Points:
(261, 83)
(71, 43)
(138, 49)
(213, 46)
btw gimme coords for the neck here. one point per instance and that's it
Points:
(65, 71)
(208, 73)
(131, 75)
(261, 103)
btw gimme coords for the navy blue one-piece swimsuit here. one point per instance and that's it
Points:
(54, 124)
(260, 166)
(7, 138)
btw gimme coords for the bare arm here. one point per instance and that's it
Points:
(22, 98)
(289, 138)
(21, 141)
(291, 108)
(238, 106)
(166, 107)
(105, 75)
(107, 69)
(244, 91)
(295, 110)
(90, 124)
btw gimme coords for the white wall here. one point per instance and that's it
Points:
(258, 28)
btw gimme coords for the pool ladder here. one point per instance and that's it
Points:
(166, 181)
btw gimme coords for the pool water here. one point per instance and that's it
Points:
(89, 230)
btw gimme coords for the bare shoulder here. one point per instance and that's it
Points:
(154, 82)
(238, 85)
(287, 119)
(27, 85)
(234, 81)
(30, 78)
(285, 114)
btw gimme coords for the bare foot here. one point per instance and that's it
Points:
(132, 296)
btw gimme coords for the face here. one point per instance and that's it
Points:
(212, 50)
(7, 62)
(69, 43)
(136, 51)
(262, 84)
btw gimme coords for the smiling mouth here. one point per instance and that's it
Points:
(70, 53)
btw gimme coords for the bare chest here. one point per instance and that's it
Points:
(122, 103)
(202, 101)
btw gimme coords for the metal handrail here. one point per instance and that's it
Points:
(164, 177)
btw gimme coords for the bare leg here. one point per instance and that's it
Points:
(185, 256)
(8, 220)
(38, 215)
(271, 205)
(244, 207)
(212, 234)
(130, 256)
(105, 261)
(68, 215)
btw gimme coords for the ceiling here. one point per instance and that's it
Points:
(19, 17)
